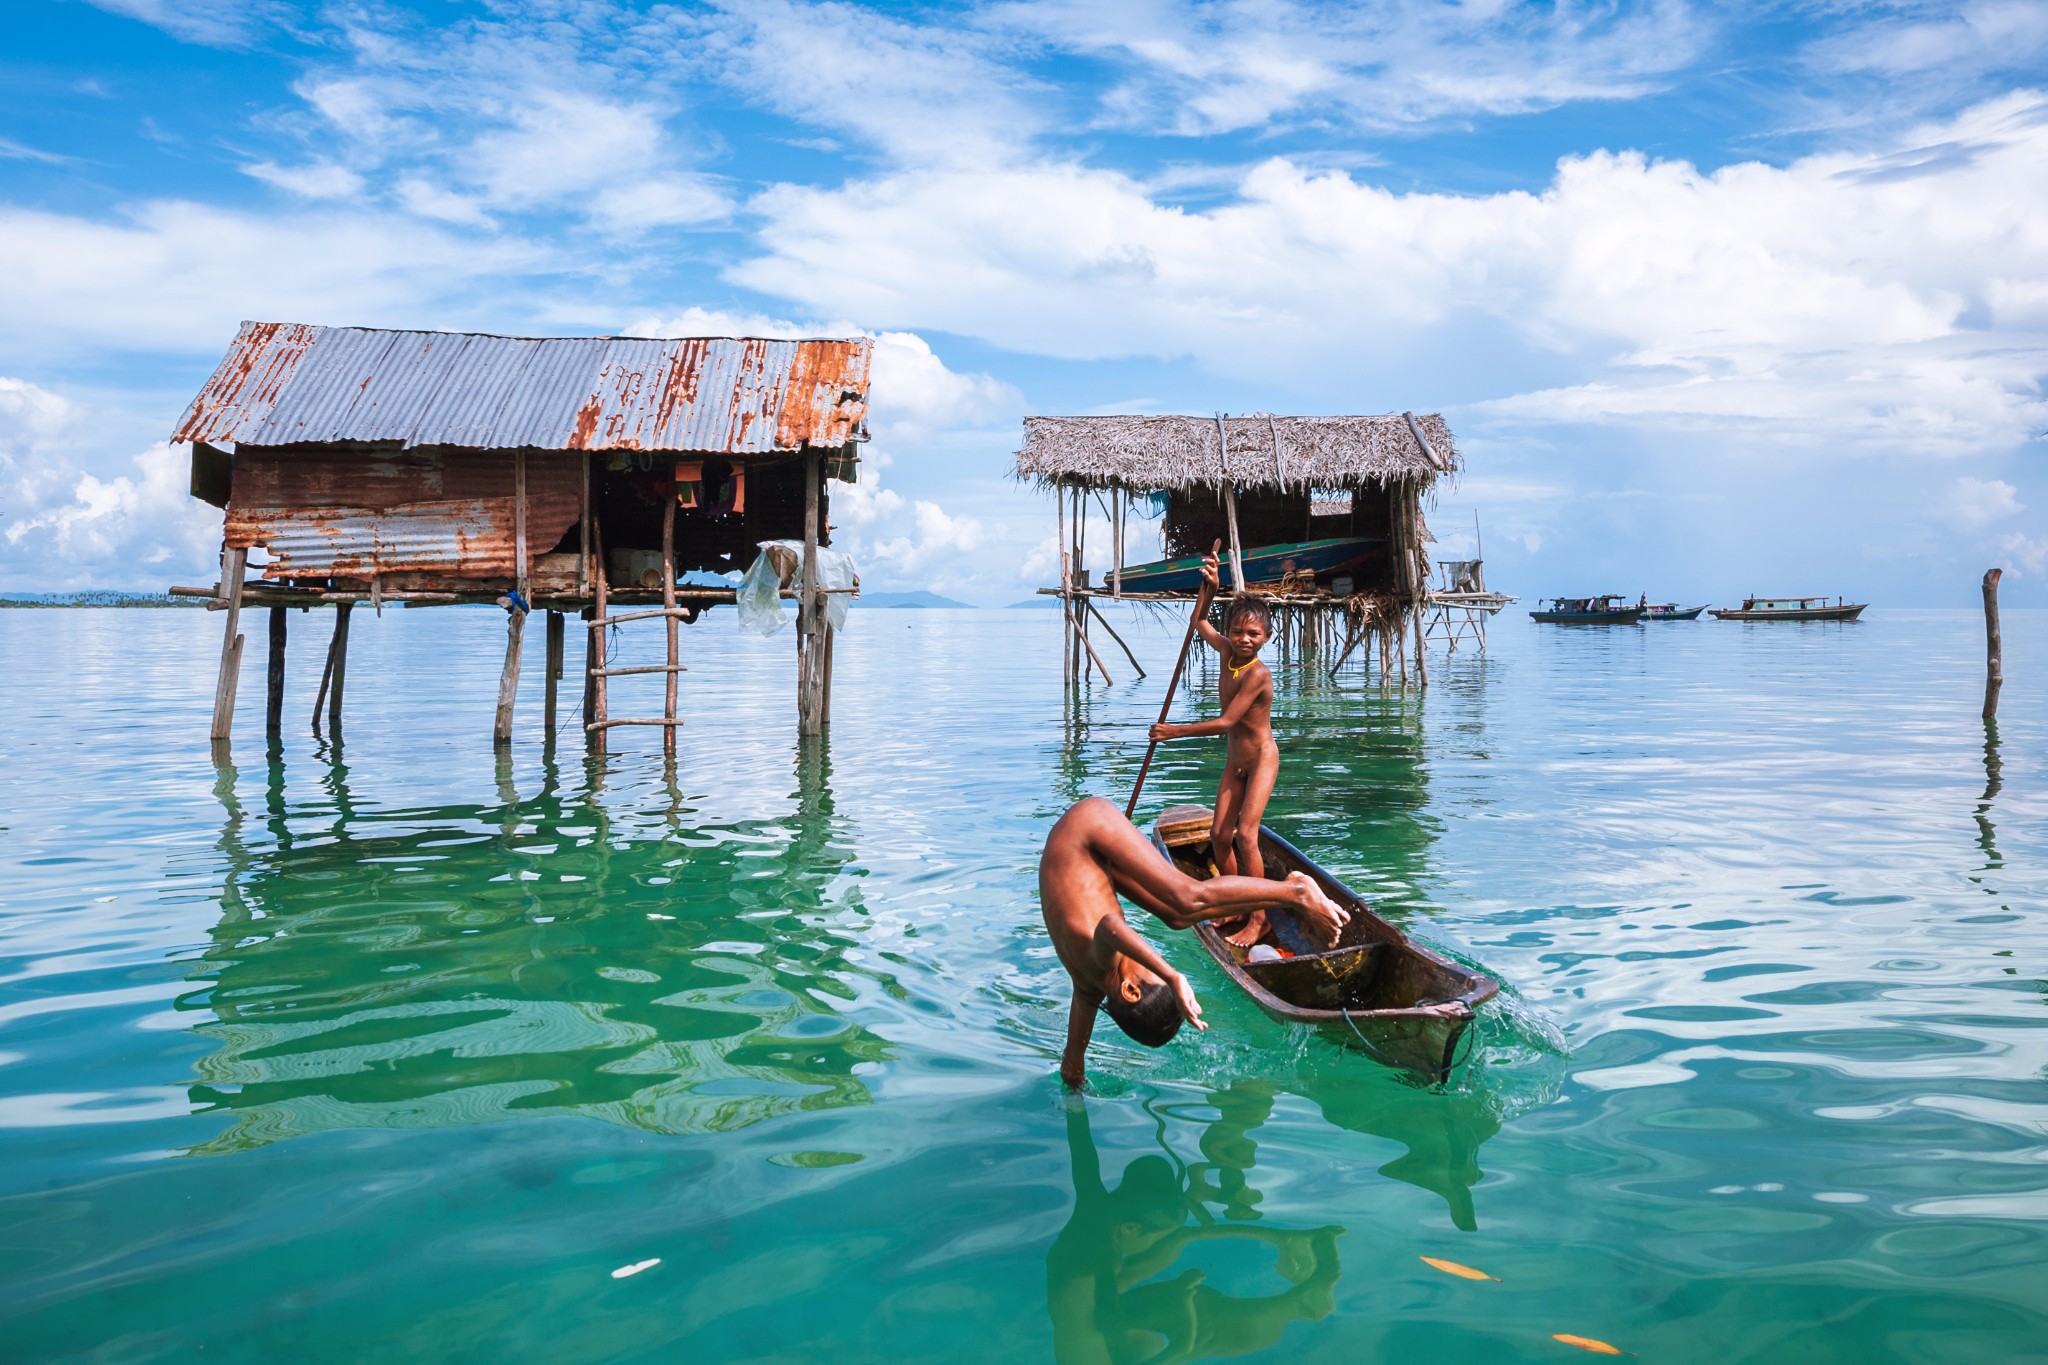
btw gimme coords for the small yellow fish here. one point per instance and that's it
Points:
(1598, 1348)
(1463, 1272)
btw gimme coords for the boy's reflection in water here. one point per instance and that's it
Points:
(1102, 1290)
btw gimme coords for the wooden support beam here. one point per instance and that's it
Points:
(233, 563)
(641, 668)
(597, 702)
(337, 667)
(593, 669)
(810, 643)
(554, 671)
(1994, 647)
(508, 677)
(273, 694)
(600, 726)
(1088, 603)
(668, 608)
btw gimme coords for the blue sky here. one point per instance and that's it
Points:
(1718, 298)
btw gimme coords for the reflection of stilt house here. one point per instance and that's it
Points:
(1321, 515)
(561, 474)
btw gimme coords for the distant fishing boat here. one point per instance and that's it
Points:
(1262, 564)
(1671, 611)
(1377, 990)
(1791, 609)
(1608, 609)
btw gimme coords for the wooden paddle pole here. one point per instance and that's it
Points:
(1194, 620)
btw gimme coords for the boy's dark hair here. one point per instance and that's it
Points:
(1152, 1019)
(1248, 605)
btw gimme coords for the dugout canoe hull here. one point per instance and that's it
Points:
(1377, 991)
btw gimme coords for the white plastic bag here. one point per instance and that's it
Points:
(780, 565)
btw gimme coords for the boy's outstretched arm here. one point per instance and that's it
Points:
(1205, 598)
(1239, 707)
(1080, 1028)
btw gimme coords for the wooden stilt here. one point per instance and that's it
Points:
(508, 678)
(668, 603)
(597, 704)
(273, 698)
(1090, 602)
(232, 564)
(810, 644)
(1994, 647)
(593, 660)
(337, 667)
(554, 671)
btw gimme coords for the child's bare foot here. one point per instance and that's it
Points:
(1321, 916)
(1250, 930)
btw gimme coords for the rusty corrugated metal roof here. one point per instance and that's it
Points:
(324, 513)
(289, 383)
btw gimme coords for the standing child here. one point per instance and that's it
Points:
(1251, 761)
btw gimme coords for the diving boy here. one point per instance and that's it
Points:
(1251, 761)
(1094, 855)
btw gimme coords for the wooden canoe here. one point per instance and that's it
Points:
(1377, 990)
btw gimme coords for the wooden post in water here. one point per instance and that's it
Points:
(515, 624)
(337, 667)
(810, 618)
(1994, 648)
(668, 606)
(232, 564)
(554, 671)
(597, 702)
(273, 696)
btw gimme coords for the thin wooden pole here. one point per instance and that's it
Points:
(1165, 706)
(668, 604)
(583, 549)
(508, 678)
(810, 652)
(593, 660)
(1089, 602)
(1083, 637)
(326, 677)
(1994, 648)
(554, 670)
(232, 564)
(599, 700)
(337, 653)
(1230, 505)
(273, 698)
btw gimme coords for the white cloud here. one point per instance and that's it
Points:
(29, 416)
(1831, 295)
(316, 180)
(69, 529)
(220, 23)
(2028, 553)
(1976, 503)
(915, 394)
(936, 537)
(180, 275)
(1192, 69)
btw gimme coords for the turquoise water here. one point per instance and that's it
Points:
(393, 1048)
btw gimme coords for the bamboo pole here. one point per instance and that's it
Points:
(273, 697)
(1994, 648)
(669, 620)
(233, 563)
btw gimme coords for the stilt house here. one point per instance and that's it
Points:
(1321, 515)
(563, 474)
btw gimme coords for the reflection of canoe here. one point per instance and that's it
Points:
(1377, 989)
(1262, 564)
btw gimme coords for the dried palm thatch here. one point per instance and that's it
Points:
(1182, 453)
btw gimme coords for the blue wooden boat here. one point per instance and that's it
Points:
(1263, 564)
(1671, 611)
(1606, 610)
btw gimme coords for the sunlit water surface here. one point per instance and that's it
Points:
(395, 1048)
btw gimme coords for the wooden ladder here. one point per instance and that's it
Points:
(597, 721)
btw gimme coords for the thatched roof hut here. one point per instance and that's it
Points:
(1144, 454)
(1323, 514)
